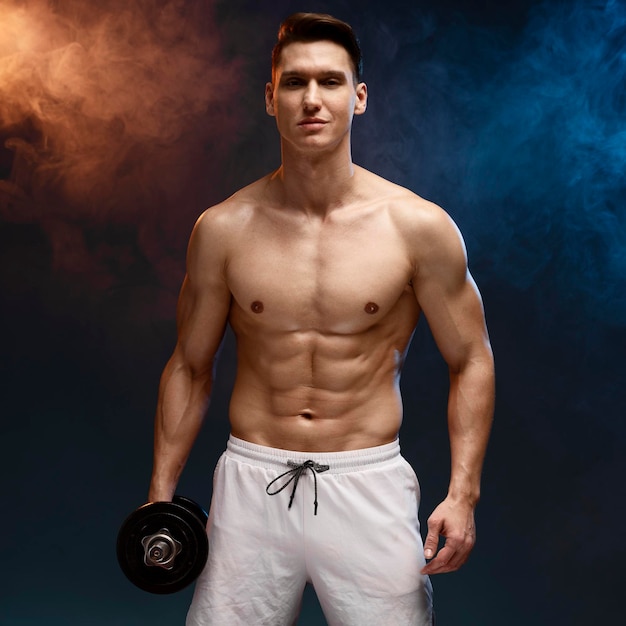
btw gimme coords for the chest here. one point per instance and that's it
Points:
(339, 276)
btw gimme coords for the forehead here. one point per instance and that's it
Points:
(314, 56)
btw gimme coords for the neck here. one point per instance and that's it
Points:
(317, 183)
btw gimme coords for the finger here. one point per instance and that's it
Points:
(450, 558)
(440, 563)
(432, 540)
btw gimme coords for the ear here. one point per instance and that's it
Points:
(361, 99)
(269, 99)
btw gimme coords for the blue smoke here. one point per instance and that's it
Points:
(521, 135)
(552, 156)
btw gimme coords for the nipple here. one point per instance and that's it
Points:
(371, 308)
(257, 306)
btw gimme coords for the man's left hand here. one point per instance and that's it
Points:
(453, 520)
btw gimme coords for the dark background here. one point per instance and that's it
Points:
(121, 121)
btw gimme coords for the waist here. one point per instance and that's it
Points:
(307, 418)
(339, 462)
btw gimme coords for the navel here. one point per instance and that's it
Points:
(371, 308)
(257, 306)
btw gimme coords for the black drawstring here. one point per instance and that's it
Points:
(295, 473)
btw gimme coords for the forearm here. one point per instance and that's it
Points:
(470, 414)
(182, 404)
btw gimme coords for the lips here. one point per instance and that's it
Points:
(312, 122)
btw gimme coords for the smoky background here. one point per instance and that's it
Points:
(121, 121)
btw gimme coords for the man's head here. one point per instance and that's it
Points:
(307, 27)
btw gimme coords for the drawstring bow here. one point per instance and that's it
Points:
(297, 469)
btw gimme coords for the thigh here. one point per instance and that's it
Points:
(367, 554)
(255, 571)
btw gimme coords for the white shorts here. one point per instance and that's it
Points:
(362, 551)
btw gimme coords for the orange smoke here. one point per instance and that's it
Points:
(104, 112)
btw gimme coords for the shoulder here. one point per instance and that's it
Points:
(229, 218)
(423, 224)
(233, 212)
(428, 228)
(433, 241)
(219, 227)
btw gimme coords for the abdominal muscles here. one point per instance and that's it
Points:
(309, 390)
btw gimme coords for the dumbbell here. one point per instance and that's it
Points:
(162, 546)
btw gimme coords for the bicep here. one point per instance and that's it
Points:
(450, 299)
(457, 322)
(203, 304)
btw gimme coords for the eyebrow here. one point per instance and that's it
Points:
(325, 74)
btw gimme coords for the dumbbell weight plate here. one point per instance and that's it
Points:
(193, 507)
(185, 521)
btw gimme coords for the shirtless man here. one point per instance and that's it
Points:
(322, 269)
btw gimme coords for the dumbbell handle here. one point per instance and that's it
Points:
(160, 549)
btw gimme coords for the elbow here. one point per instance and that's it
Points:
(478, 370)
(182, 371)
(477, 357)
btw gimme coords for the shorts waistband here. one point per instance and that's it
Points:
(338, 462)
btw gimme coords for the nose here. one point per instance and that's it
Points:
(311, 97)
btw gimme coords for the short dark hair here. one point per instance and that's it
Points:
(306, 27)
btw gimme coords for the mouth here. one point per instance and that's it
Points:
(312, 122)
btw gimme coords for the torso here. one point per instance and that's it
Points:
(323, 311)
